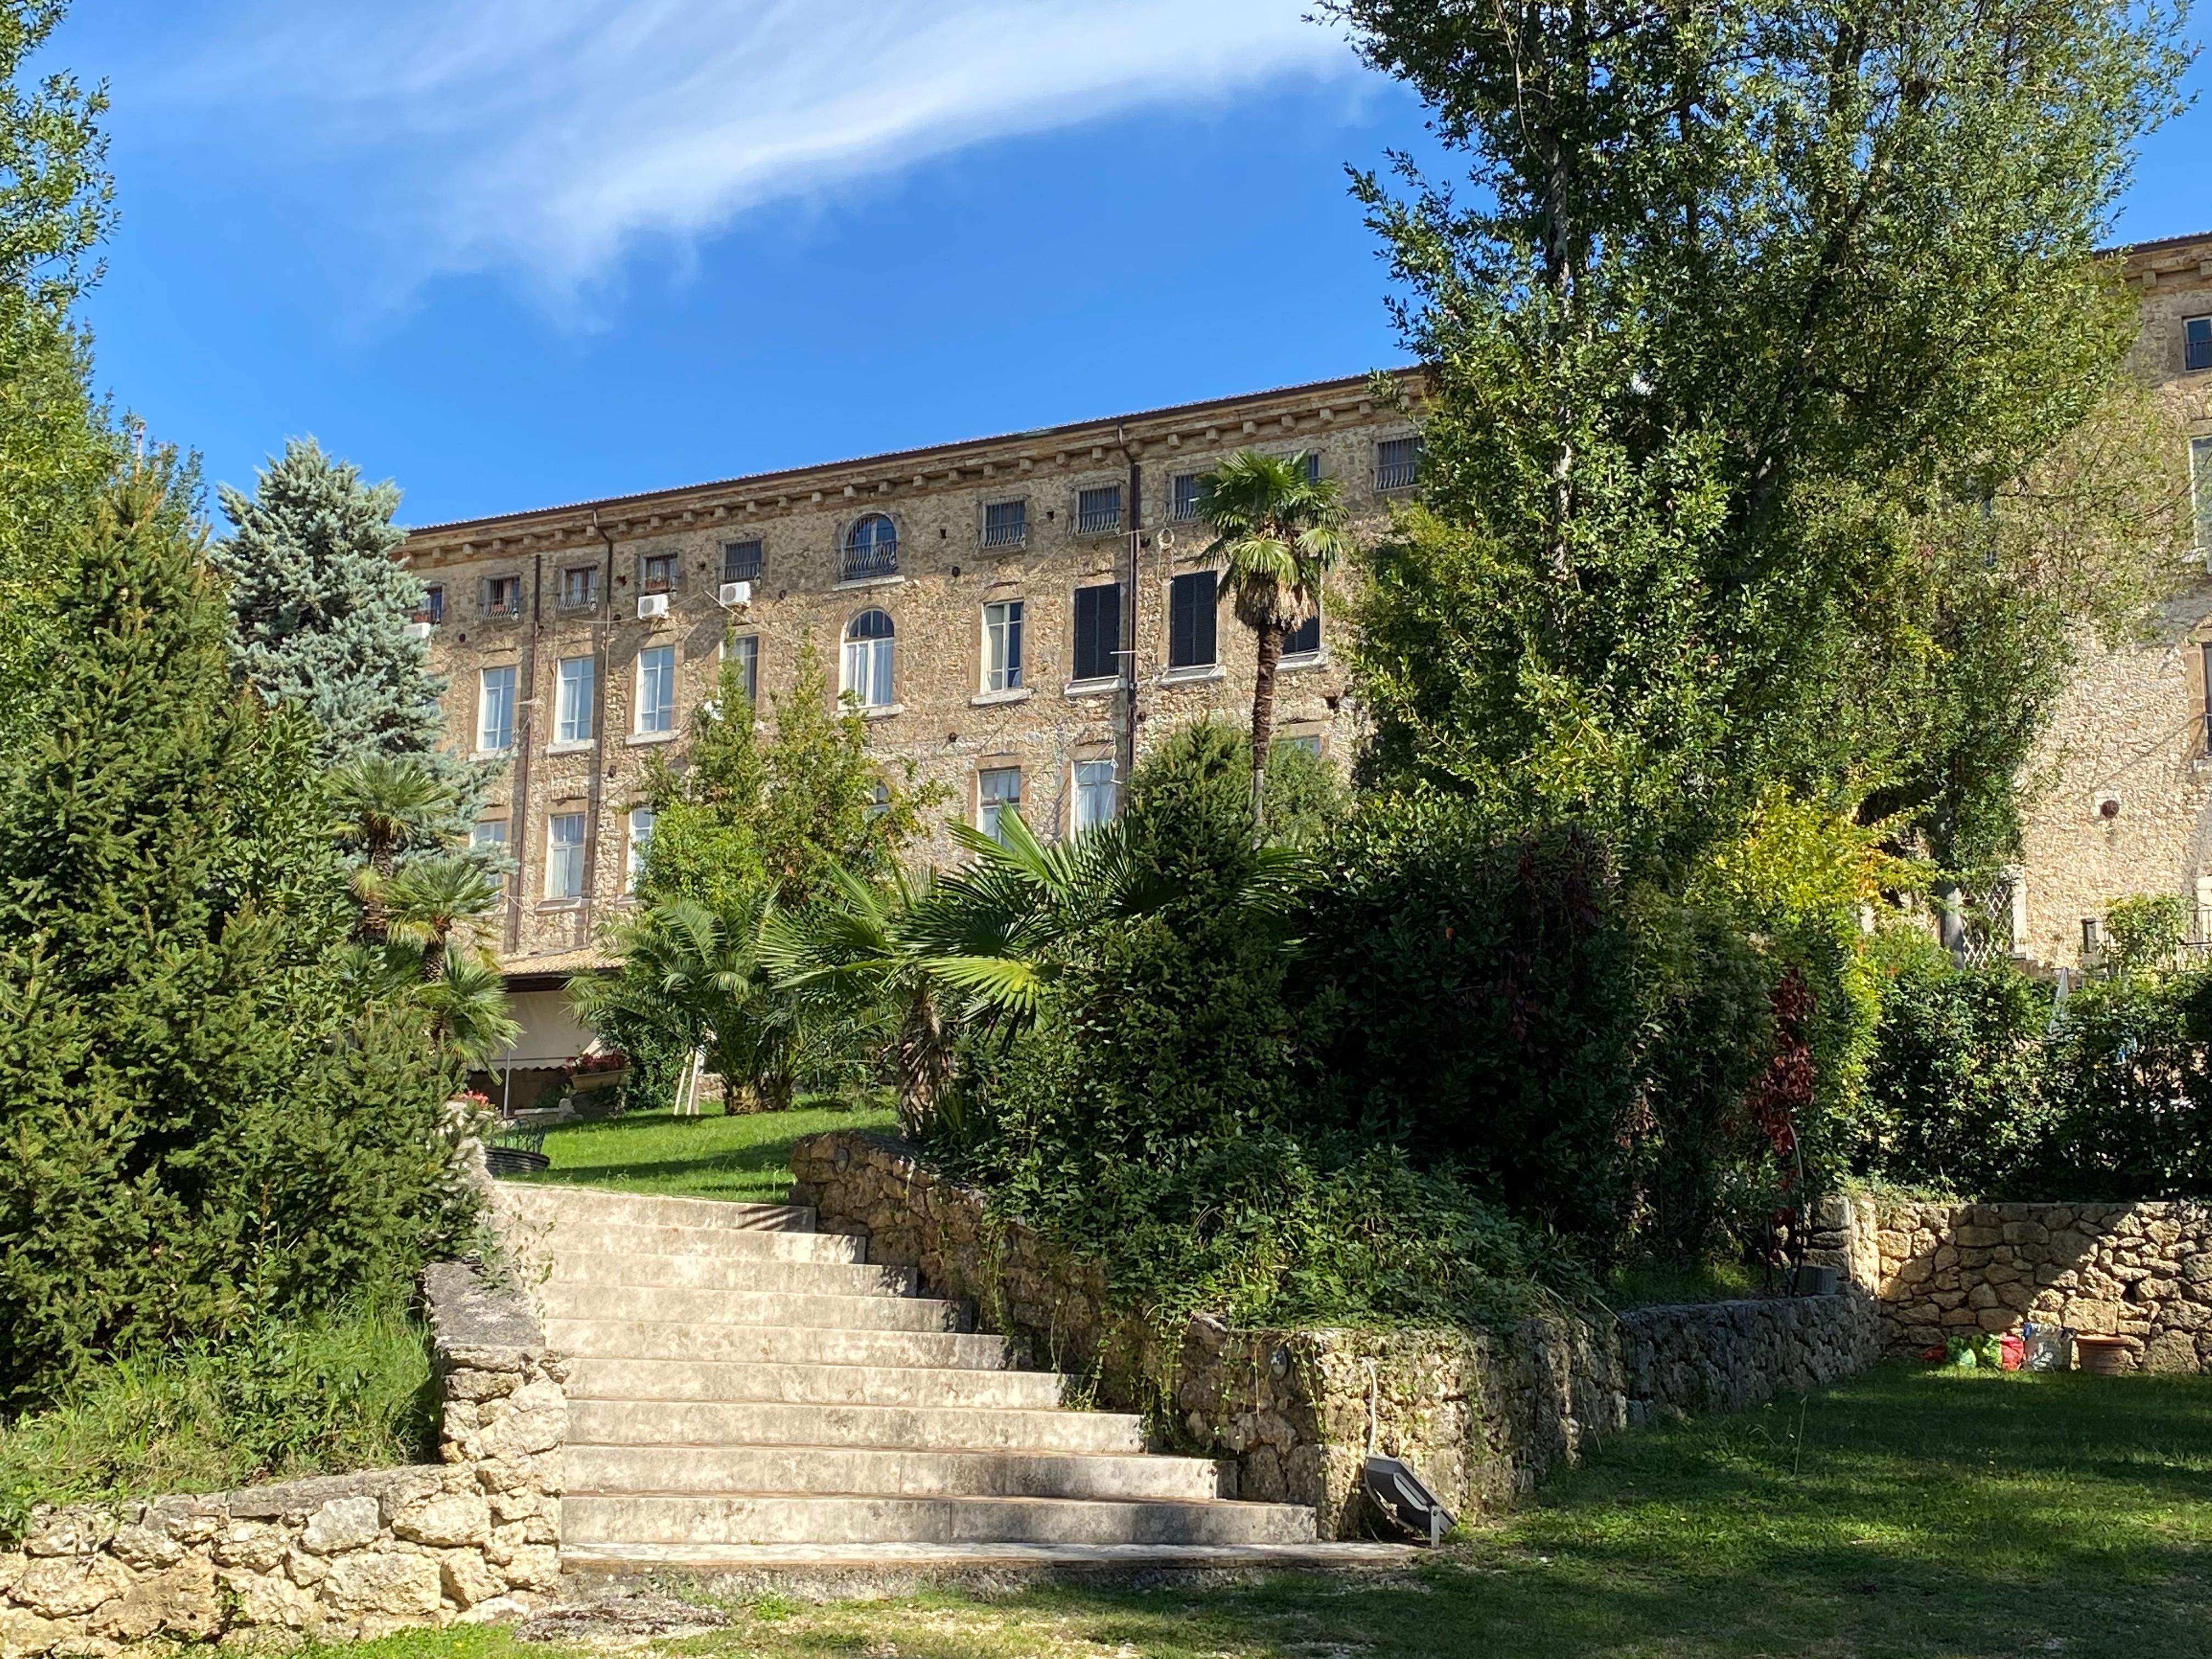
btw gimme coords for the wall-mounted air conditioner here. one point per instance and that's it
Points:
(736, 594)
(650, 605)
(417, 630)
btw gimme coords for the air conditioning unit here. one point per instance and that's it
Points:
(417, 630)
(650, 605)
(736, 594)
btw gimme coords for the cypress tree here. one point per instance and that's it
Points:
(319, 609)
(199, 1122)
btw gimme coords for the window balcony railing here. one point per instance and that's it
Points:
(1006, 535)
(1396, 474)
(656, 585)
(861, 564)
(504, 610)
(1098, 522)
(742, 570)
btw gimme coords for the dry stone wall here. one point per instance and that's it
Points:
(471, 1538)
(2140, 1271)
(1292, 1414)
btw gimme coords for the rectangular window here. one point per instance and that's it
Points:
(1308, 741)
(433, 604)
(580, 588)
(656, 688)
(1305, 640)
(1312, 458)
(1002, 646)
(746, 649)
(578, 689)
(496, 709)
(1182, 496)
(659, 571)
(503, 596)
(1397, 463)
(2200, 489)
(1190, 620)
(1098, 632)
(491, 834)
(1094, 794)
(564, 856)
(1098, 512)
(2197, 342)
(741, 561)
(997, 791)
(640, 838)
(1006, 523)
(2204, 662)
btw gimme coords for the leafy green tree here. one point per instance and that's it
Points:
(200, 1117)
(1750, 311)
(431, 898)
(386, 806)
(319, 611)
(1278, 533)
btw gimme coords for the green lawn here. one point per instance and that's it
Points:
(1907, 1514)
(746, 1158)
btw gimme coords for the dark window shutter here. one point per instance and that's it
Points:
(1190, 620)
(1097, 632)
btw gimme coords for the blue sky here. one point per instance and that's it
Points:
(514, 252)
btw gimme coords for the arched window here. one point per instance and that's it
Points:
(868, 658)
(871, 547)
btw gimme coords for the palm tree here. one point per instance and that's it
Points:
(386, 805)
(427, 900)
(467, 1009)
(1277, 531)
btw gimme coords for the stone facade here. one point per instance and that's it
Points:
(473, 1538)
(1480, 1415)
(2139, 1272)
(2121, 796)
(526, 591)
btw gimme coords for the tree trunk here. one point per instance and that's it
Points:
(1263, 715)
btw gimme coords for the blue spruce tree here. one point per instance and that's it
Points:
(319, 615)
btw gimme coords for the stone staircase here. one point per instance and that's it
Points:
(743, 1387)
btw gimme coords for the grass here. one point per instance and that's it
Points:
(1905, 1514)
(745, 1158)
(349, 1390)
(1650, 1284)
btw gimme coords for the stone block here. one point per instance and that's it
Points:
(24, 1633)
(253, 1546)
(389, 1583)
(180, 1601)
(534, 1566)
(63, 1586)
(445, 1522)
(468, 1578)
(343, 1523)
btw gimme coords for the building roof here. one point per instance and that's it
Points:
(1348, 390)
(559, 965)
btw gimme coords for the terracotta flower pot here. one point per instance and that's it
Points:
(2104, 1356)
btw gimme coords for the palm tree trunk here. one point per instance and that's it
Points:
(1263, 714)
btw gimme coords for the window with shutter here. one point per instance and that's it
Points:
(1097, 632)
(1190, 620)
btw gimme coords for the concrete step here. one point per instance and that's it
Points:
(690, 1305)
(886, 1471)
(571, 1267)
(827, 1573)
(814, 1385)
(691, 1342)
(665, 1518)
(531, 1201)
(623, 1239)
(921, 1428)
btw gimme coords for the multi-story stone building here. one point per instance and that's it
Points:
(1017, 616)
(2121, 799)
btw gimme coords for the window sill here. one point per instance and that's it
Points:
(551, 905)
(1105, 688)
(1304, 659)
(869, 581)
(573, 746)
(1012, 694)
(883, 711)
(500, 756)
(647, 739)
(1196, 674)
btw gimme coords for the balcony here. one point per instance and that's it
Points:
(1099, 521)
(1396, 474)
(869, 562)
(1006, 535)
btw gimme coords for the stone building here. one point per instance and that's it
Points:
(1017, 617)
(2121, 799)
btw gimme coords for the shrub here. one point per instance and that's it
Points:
(2127, 1093)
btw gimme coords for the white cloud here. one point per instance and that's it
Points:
(554, 134)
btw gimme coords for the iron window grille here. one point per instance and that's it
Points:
(580, 588)
(741, 561)
(1006, 523)
(1397, 463)
(1182, 496)
(503, 596)
(870, 549)
(434, 604)
(1098, 512)
(659, 571)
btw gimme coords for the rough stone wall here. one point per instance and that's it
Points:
(473, 1538)
(1291, 1413)
(2139, 1272)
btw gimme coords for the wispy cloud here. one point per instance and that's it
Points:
(553, 135)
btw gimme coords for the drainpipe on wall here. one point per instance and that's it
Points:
(1125, 739)
(594, 795)
(518, 811)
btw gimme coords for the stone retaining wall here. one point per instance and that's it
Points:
(1292, 1414)
(471, 1538)
(2139, 1272)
